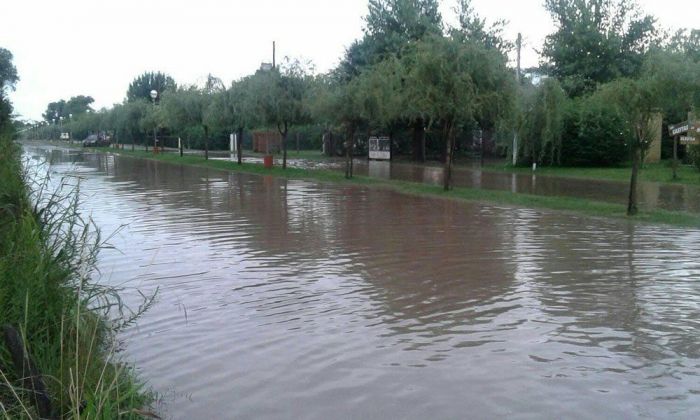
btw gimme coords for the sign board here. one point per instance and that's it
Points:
(677, 129)
(65, 136)
(689, 140)
(379, 148)
(233, 144)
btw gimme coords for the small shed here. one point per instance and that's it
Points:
(267, 142)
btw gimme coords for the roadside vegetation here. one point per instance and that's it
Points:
(58, 326)
(439, 91)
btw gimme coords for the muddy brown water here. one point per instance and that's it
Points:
(651, 195)
(294, 299)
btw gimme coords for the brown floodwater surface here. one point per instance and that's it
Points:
(295, 299)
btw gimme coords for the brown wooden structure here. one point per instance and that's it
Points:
(267, 142)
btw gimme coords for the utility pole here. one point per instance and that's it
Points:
(274, 63)
(518, 44)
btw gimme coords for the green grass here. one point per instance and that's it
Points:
(47, 255)
(652, 172)
(568, 204)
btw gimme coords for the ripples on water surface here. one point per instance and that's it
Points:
(293, 299)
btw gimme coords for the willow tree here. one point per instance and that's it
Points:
(639, 101)
(186, 108)
(543, 123)
(280, 95)
(451, 83)
(233, 110)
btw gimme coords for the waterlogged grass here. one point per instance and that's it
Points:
(568, 204)
(651, 172)
(67, 322)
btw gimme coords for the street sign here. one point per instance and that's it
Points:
(676, 129)
(689, 140)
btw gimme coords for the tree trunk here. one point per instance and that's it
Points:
(348, 151)
(449, 152)
(284, 144)
(239, 145)
(297, 142)
(419, 141)
(206, 143)
(632, 202)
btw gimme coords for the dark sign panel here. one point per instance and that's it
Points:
(677, 129)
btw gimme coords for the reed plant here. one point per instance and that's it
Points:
(68, 323)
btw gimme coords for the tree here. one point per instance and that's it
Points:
(141, 86)
(8, 79)
(234, 110)
(474, 28)
(638, 100)
(687, 43)
(596, 41)
(78, 105)
(390, 26)
(543, 126)
(281, 98)
(75, 106)
(187, 108)
(439, 87)
(8, 71)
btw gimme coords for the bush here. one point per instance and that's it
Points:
(693, 153)
(596, 134)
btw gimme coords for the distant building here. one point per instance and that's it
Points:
(265, 66)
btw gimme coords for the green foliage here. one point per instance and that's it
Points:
(677, 77)
(390, 26)
(8, 71)
(47, 256)
(694, 155)
(141, 86)
(598, 134)
(280, 95)
(542, 131)
(474, 28)
(8, 78)
(596, 41)
(75, 106)
(687, 43)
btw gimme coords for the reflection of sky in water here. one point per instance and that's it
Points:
(296, 299)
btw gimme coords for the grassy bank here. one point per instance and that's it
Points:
(651, 172)
(67, 322)
(569, 204)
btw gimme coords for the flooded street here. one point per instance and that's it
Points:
(295, 299)
(651, 195)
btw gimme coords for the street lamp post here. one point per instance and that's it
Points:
(70, 132)
(154, 95)
(61, 127)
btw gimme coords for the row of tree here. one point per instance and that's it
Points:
(427, 85)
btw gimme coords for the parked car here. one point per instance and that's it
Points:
(94, 140)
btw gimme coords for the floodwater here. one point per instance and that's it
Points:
(292, 299)
(651, 195)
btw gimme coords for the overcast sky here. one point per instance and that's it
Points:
(96, 47)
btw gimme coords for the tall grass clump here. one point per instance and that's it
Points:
(66, 323)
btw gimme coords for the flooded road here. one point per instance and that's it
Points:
(294, 299)
(651, 195)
